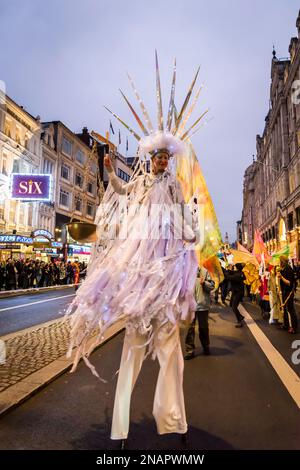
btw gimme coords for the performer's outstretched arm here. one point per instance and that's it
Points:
(114, 180)
(190, 233)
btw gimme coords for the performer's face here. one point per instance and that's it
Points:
(160, 162)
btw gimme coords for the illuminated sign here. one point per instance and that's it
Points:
(80, 249)
(43, 233)
(45, 250)
(10, 247)
(57, 244)
(30, 187)
(15, 239)
(41, 240)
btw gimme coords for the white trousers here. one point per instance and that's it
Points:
(168, 408)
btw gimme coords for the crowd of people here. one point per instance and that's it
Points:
(272, 286)
(33, 273)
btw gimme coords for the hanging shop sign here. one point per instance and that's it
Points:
(41, 242)
(42, 233)
(30, 187)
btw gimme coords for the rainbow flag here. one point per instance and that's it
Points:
(194, 188)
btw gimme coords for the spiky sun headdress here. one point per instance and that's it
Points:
(173, 135)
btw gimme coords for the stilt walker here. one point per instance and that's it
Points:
(147, 271)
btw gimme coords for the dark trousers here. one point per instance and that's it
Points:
(202, 318)
(290, 314)
(224, 291)
(236, 298)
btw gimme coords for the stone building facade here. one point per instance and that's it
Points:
(271, 194)
(76, 194)
(20, 152)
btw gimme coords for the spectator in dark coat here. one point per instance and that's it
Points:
(287, 284)
(237, 279)
(11, 280)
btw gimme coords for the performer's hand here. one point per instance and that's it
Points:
(201, 280)
(107, 163)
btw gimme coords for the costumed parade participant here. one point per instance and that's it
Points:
(285, 276)
(276, 313)
(143, 266)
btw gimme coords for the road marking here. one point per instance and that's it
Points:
(287, 375)
(35, 303)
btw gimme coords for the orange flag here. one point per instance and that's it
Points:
(259, 248)
(242, 248)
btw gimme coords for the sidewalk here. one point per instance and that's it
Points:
(34, 357)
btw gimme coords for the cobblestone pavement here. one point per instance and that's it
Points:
(32, 350)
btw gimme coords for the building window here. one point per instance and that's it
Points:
(16, 166)
(47, 167)
(21, 214)
(30, 214)
(78, 204)
(26, 142)
(298, 215)
(18, 137)
(66, 146)
(124, 176)
(90, 187)
(78, 180)
(290, 221)
(64, 198)
(12, 212)
(93, 168)
(90, 209)
(1, 212)
(7, 129)
(65, 171)
(4, 170)
(273, 232)
(80, 157)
